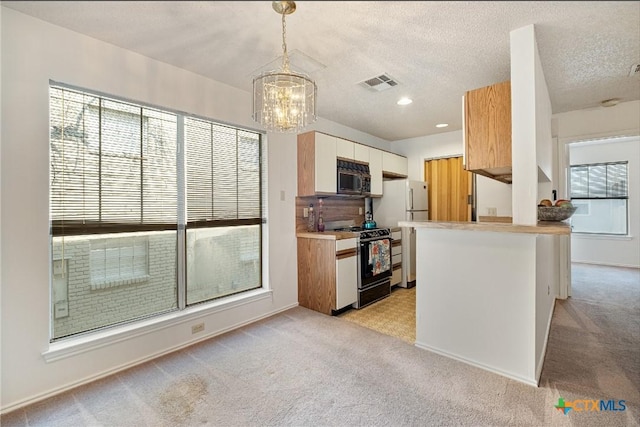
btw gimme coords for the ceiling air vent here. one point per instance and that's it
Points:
(380, 83)
(635, 70)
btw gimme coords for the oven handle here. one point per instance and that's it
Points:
(372, 239)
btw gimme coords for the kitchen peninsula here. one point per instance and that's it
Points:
(483, 297)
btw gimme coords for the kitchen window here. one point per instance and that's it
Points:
(128, 182)
(600, 192)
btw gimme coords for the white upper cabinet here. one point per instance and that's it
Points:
(375, 169)
(344, 148)
(372, 156)
(394, 165)
(361, 153)
(316, 164)
(325, 164)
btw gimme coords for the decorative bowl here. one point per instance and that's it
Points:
(555, 213)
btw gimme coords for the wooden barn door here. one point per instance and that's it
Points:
(450, 189)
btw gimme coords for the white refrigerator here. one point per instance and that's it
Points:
(403, 200)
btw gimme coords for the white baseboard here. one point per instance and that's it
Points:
(510, 375)
(606, 264)
(543, 353)
(42, 396)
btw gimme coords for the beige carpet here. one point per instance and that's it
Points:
(394, 315)
(594, 343)
(303, 368)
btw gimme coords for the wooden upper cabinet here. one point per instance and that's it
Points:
(487, 131)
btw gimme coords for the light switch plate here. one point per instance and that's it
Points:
(305, 212)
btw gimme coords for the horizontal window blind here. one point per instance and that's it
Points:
(125, 178)
(599, 181)
(223, 175)
(113, 165)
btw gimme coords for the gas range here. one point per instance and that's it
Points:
(374, 233)
(374, 263)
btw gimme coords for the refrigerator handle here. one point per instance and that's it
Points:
(411, 198)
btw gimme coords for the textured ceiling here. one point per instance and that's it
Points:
(435, 50)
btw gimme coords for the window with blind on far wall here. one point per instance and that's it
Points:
(116, 203)
(599, 191)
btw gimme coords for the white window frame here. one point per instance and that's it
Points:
(76, 343)
(588, 199)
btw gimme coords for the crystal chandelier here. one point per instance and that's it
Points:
(284, 101)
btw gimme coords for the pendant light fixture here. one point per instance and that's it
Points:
(284, 101)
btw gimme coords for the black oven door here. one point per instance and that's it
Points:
(375, 261)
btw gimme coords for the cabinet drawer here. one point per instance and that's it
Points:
(345, 244)
(396, 259)
(396, 277)
(396, 250)
(346, 273)
(396, 235)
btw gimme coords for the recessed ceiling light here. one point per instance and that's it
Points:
(405, 101)
(442, 125)
(610, 102)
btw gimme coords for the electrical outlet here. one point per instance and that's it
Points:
(197, 328)
(305, 212)
(492, 211)
(360, 211)
(282, 195)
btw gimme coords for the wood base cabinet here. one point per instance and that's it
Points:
(327, 274)
(487, 131)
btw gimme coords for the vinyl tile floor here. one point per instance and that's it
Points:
(394, 315)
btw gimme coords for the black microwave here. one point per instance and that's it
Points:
(353, 178)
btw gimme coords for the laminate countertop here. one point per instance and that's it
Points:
(327, 235)
(543, 227)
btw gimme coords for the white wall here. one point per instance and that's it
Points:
(493, 194)
(476, 298)
(532, 173)
(611, 250)
(336, 129)
(582, 125)
(586, 125)
(489, 192)
(33, 52)
(547, 288)
(529, 127)
(419, 149)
